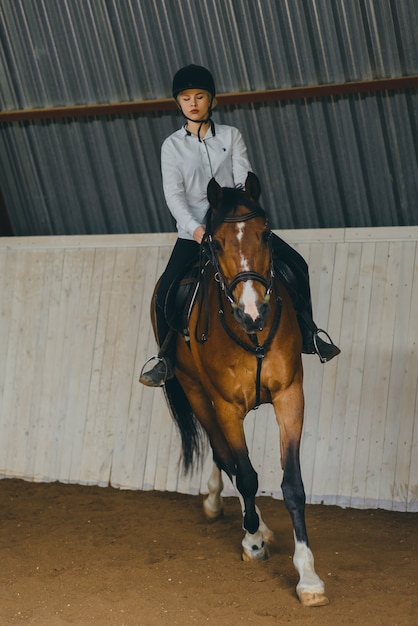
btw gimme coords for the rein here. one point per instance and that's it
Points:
(209, 254)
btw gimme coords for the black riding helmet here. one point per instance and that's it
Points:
(193, 77)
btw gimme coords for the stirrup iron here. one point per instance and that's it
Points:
(330, 343)
(160, 359)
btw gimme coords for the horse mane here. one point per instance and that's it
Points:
(232, 198)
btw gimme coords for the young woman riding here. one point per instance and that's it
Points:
(199, 151)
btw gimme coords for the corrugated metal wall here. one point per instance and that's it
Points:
(330, 162)
(75, 331)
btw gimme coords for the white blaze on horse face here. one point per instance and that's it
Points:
(248, 296)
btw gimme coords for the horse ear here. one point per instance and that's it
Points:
(214, 194)
(252, 186)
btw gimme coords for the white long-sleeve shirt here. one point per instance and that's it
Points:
(187, 165)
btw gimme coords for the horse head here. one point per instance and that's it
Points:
(238, 239)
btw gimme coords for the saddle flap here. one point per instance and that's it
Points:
(180, 299)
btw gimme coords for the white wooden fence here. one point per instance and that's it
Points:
(75, 330)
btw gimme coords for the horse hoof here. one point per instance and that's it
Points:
(308, 598)
(212, 513)
(255, 554)
(213, 516)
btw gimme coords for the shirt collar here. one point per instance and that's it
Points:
(186, 133)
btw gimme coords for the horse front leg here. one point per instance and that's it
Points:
(257, 534)
(310, 588)
(254, 544)
(243, 476)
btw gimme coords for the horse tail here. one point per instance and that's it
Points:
(192, 435)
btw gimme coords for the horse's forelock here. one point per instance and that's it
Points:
(232, 197)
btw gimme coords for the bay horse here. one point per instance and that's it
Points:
(244, 349)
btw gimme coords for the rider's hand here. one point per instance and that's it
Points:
(198, 234)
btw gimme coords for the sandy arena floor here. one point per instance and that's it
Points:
(87, 555)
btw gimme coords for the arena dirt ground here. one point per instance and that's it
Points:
(91, 555)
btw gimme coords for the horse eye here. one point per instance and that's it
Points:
(266, 236)
(217, 245)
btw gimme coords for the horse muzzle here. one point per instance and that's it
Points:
(252, 323)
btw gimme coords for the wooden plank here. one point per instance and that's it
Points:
(347, 411)
(297, 238)
(66, 400)
(38, 273)
(413, 468)
(8, 265)
(399, 398)
(270, 473)
(23, 366)
(407, 411)
(359, 431)
(412, 343)
(372, 302)
(394, 380)
(383, 362)
(128, 445)
(383, 233)
(258, 442)
(95, 460)
(82, 329)
(60, 242)
(302, 238)
(376, 364)
(10, 422)
(46, 461)
(105, 411)
(124, 377)
(328, 442)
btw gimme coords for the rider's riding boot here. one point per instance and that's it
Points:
(163, 370)
(312, 343)
(159, 374)
(292, 269)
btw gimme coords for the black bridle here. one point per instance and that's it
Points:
(209, 249)
(209, 254)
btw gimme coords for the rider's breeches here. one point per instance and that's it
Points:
(185, 253)
(294, 272)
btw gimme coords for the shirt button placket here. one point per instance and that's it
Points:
(205, 158)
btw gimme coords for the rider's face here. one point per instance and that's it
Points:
(195, 103)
